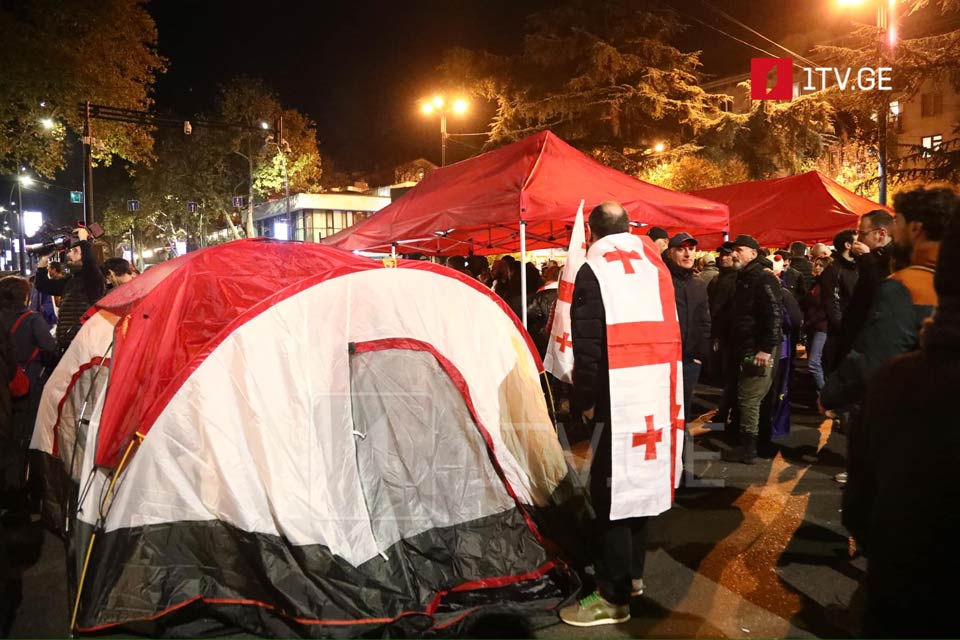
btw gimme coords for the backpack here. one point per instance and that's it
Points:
(20, 385)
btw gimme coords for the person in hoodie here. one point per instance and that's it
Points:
(758, 315)
(693, 311)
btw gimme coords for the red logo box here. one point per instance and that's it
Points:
(782, 89)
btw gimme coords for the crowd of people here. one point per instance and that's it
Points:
(878, 316)
(881, 369)
(39, 317)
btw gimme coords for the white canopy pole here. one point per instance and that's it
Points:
(393, 250)
(523, 272)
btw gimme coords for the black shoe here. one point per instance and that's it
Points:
(744, 454)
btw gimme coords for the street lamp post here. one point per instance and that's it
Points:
(887, 40)
(439, 105)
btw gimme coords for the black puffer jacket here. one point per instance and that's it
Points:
(588, 324)
(838, 281)
(758, 309)
(693, 312)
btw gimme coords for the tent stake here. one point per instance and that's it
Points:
(523, 271)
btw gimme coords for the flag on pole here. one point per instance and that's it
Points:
(559, 358)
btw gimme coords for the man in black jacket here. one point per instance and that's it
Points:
(758, 313)
(79, 290)
(871, 249)
(837, 283)
(900, 503)
(693, 312)
(721, 292)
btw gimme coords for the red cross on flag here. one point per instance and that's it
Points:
(559, 358)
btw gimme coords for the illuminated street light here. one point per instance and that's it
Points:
(659, 147)
(887, 30)
(264, 125)
(437, 105)
(47, 123)
(26, 180)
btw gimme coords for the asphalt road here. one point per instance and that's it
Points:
(761, 554)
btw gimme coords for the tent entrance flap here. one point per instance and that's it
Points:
(422, 462)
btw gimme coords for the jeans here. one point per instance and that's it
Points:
(752, 388)
(815, 357)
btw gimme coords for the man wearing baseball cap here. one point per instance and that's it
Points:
(720, 293)
(757, 307)
(693, 311)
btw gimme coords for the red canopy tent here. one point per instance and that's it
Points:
(477, 206)
(809, 207)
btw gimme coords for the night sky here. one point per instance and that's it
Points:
(358, 68)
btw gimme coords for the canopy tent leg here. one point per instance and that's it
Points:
(393, 250)
(523, 272)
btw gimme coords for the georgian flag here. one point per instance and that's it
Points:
(559, 358)
(646, 375)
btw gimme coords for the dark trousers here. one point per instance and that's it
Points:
(730, 370)
(621, 552)
(619, 545)
(691, 373)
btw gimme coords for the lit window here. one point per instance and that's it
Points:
(931, 142)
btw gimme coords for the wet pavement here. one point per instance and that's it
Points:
(761, 553)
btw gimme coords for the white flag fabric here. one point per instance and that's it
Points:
(559, 358)
(646, 374)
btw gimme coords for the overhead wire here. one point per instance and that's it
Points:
(737, 22)
(717, 29)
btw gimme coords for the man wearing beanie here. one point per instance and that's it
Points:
(901, 500)
(902, 301)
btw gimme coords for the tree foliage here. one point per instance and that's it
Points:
(599, 73)
(694, 172)
(57, 55)
(930, 58)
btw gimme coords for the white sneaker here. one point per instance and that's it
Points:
(636, 587)
(841, 477)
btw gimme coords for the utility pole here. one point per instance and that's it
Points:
(21, 237)
(87, 169)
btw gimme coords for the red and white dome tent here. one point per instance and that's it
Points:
(289, 439)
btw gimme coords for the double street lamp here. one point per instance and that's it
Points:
(439, 105)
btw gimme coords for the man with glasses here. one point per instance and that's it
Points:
(871, 250)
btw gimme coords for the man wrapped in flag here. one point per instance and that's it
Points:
(627, 381)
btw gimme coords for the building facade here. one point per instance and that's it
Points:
(313, 216)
